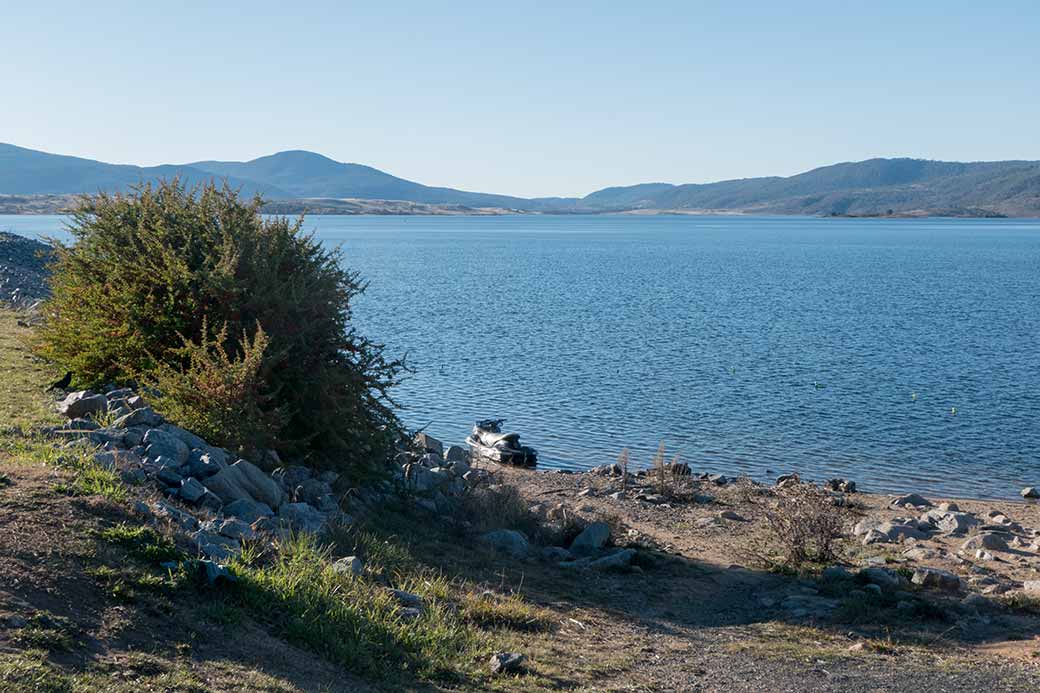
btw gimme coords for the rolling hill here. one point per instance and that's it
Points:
(301, 180)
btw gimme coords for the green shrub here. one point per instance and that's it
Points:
(218, 396)
(150, 271)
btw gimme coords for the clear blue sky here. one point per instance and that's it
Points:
(526, 98)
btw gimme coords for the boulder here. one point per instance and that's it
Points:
(245, 481)
(456, 453)
(248, 510)
(82, 403)
(507, 541)
(169, 474)
(505, 663)
(186, 437)
(204, 463)
(985, 540)
(192, 490)
(938, 579)
(1030, 492)
(184, 520)
(883, 578)
(160, 443)
(419, 478)
(889, 532)
(592, 539)
(408, 599)
(214, 546)
(302, 517)
(233, 528)
(913, 500)
(621, 558)
(138, 417)
(424, 441)
(351, 565)
(957, 523)
(1031, 586)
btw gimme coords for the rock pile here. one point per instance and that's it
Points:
(23, 274)
(221, 501)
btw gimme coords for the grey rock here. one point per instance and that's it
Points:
(592, 539)
(206, 463)
(1030, 492)
(409, 613)
(730, 515)
(612, 561)
(312, 491)
(912, 499)
(105, 459)
(192, 490)
(883, 578)
(169, 475)
(456, 453)
(210, 501)
(293, 476)
(938, 579)
(408, 599)
(83, 425)
(978, 602)
(186, 437)
(424, 441)
(215, 573)
(244, 481)
(139, 417)
(505, 663)
(920, 553)
(302, 517)
(233, 528)
(888, 532)
(351, 565)
(459, 468)
(82, 403)
(185, 521)
(957, 522)
(214, 546)
(556, 554)
(419, 478)
(985, 540)
(507, 541)
(161, 443)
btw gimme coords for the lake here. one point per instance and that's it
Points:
(902, 354)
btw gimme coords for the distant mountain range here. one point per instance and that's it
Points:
(297, 181)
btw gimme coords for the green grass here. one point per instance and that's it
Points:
(354, 622)
(47, 632)
(143, 543)
(29, 672)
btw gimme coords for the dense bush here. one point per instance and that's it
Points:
(244, 322)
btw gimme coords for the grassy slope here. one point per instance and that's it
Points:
(103, 615)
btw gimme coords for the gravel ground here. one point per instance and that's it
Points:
(23, 277)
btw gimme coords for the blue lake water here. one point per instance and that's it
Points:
(902, 354)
